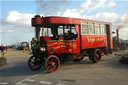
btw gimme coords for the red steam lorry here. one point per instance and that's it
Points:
(58, 39)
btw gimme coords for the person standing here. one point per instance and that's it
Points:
(2, 50)
(6, 47)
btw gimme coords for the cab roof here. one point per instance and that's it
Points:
(68, 20)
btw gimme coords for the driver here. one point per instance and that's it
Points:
(70, 35)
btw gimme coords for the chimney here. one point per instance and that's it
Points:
(117, 32)
(37, 23)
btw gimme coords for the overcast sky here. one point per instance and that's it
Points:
(15, 16)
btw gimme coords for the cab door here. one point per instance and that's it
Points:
(76, 43)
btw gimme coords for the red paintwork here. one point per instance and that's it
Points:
(70, 46)
(37, 21)
(60, 20)
(52, 64)
(63, 46)
(93, 41)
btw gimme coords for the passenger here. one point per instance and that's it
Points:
(70, 35)
(55, 37)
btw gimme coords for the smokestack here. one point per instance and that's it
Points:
(117, 32)
(37, 32)
(37, 23)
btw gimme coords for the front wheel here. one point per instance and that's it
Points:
(52, 63)
(34, 63)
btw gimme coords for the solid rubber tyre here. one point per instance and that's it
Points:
(34, 63)
(52, 63)
(97, 54)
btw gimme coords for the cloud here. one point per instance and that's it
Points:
(105, 16)
(110, 4)
(109, 17)
(15, 17)
(95, 4)
(16, 27)
(125, 18)
(69, 13)
(124, 33)
(17, 22)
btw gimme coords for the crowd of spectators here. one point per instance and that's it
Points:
(3, 49)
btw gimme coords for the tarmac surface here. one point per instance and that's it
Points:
(107, 72)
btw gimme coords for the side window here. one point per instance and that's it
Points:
(44, 32)
(60, 30)
(84, 28)
(97, 29)
(67, 28)
(74, 29)
(91, 28)
(102, 27)
(50, 32)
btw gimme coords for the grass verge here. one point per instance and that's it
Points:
(3, 61)
(124, 59)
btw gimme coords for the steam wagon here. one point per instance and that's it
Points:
(58, 39)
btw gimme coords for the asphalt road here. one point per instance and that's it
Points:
(107, 72)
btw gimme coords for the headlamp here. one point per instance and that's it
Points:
(43, 49)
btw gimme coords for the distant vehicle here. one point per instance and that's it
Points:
(63, 37)
(23, 45)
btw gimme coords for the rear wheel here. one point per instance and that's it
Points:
(97, 54)
(34, 63)
(52, 63)
(90, 57)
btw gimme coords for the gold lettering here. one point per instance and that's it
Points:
(93, 39)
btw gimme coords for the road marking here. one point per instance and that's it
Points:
(60, 84)
(30, 80)
(45, 82)
(27, 79)
(3, 83)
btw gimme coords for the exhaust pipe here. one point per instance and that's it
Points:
(37, 23)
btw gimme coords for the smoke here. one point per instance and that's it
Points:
(48, 7)
(125, 23)
(120, 26)
(126, 20)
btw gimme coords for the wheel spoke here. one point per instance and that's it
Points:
(55, 60)
(49, 66)
(35, 63)
(55, 67)
(49, 62)
(52, 60)
(52, 63)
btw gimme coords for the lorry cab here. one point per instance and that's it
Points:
(60, 39)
